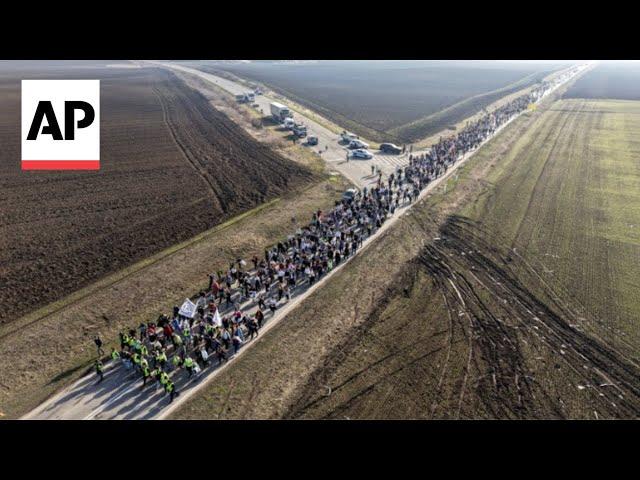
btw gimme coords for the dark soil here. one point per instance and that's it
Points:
(171, 167)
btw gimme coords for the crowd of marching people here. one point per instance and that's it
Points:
(232, 310)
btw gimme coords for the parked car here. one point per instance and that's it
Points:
(312, 140)
(390, 148)
(357, 144)
(361, 153)
(288, 123)
(350, 194)
(348, 136)
(300, 132)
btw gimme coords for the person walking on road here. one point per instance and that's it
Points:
(171, 390)
(99, 370)
(273, 305)
(114, 354)
(253, 328)
(146, 373)
(188, 365)
(259, 317)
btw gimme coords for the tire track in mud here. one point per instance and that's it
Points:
(469, 252)
(537, 187)
(366, 379)
(193, 163)
(449, 342)
(486, 334)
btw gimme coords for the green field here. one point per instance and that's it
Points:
(569, 196)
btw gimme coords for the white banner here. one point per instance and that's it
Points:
(188, 309)
(216, 318)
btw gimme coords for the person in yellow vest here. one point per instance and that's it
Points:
(164, 379)
(177, 342)
(188, 365)
(161, 358)
(171, 390)
(146, 373)
(114, 354)
(136, 360)
(177, 361)
(186, 333)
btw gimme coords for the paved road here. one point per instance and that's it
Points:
(356, 170)
(121, 396)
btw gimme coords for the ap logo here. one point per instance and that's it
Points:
(60, 124)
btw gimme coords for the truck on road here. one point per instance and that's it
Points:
(280, 112)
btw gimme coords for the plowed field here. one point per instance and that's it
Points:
(171, 167)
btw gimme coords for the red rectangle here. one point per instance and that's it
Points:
(60, 164)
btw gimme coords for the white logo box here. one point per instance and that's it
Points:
(46, 153)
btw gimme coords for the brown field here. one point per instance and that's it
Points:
(389, 101)
(512, 295)
(52, 346)
(172, 166)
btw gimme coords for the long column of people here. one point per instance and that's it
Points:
(238, 302)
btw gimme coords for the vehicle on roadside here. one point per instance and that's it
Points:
(257, 91)
(280, 112)
(357, 144)
(312, 140)
(300, 130)
(288, 123)
(390, 148)
(348, 136)
(362, 153)
(350, 194)
(247, 97)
